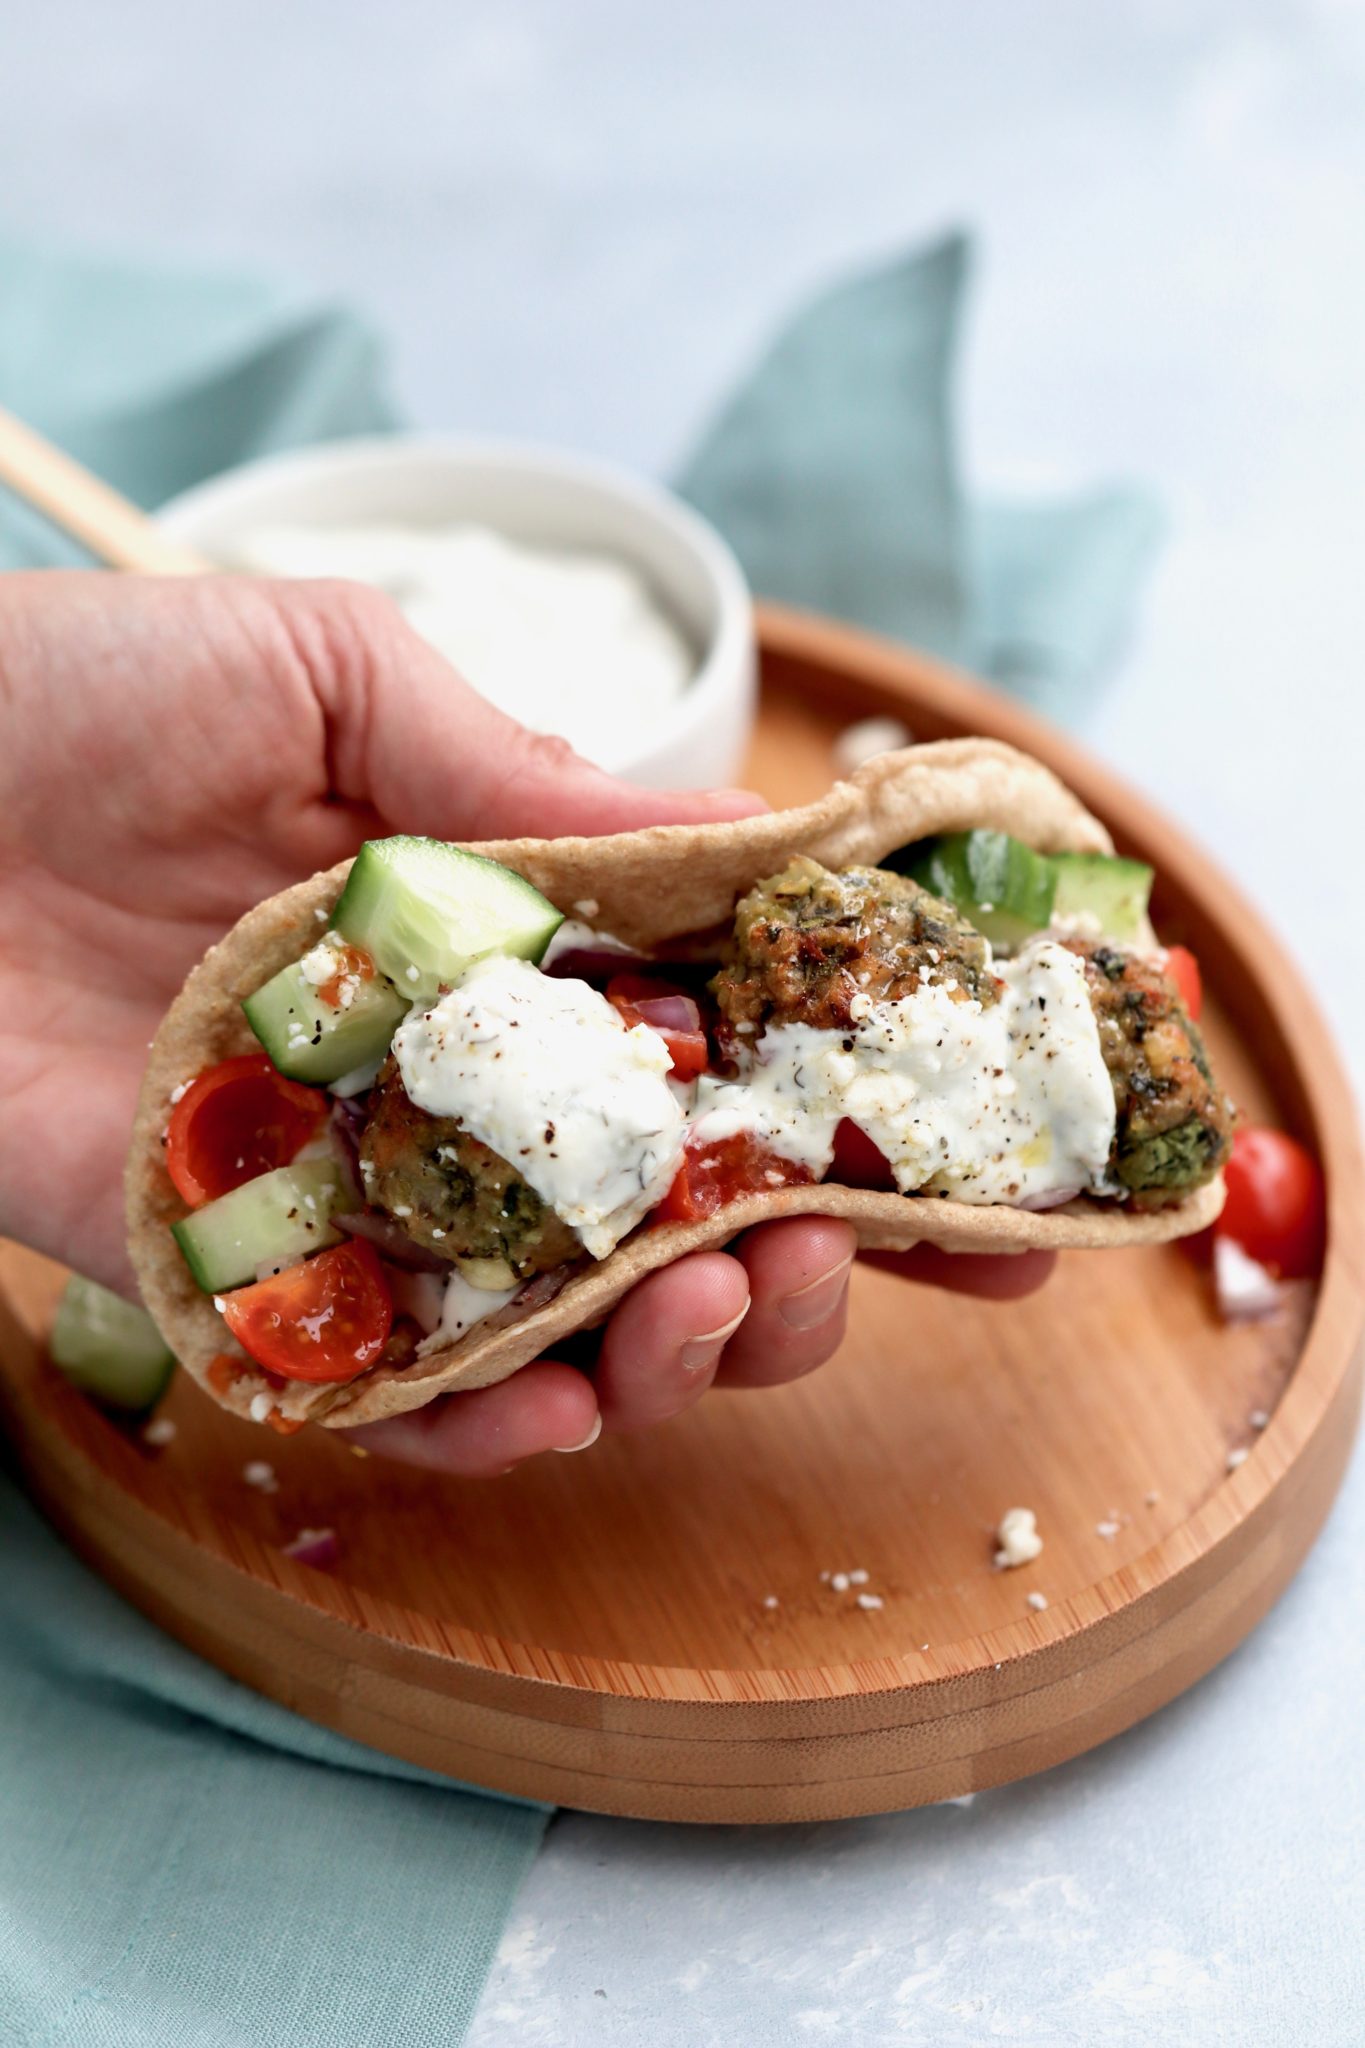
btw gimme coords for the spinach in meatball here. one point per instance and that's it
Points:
(452, 1193)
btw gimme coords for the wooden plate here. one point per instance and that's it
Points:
(645, 1629)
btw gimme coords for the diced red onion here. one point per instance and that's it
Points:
(389, 1238)
(421, 1296)
(348, 1122)
(1050, 1198)
(594, 963)
(668, 1013)
(317, 1547)
(1247, 1293)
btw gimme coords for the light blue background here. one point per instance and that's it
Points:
(1172, 200)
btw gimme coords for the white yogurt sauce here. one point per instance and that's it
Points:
(568, 643)
(546, 1073)
(1009, 1102)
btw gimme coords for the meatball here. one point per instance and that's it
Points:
(451, 1193)
(1174, 1125)
(808, 941)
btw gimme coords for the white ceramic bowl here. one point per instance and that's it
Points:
(540, 497)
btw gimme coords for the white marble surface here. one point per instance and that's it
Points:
(576, 220)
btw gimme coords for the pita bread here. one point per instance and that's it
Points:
(666, 884)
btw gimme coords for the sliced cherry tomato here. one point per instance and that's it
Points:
(238, 1120)
(1276, 1207)
(858, 1163)
(670, 1011)
(1183, 969)
(715, 1173)
(326, 1319)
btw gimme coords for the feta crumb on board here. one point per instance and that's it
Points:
(159, 1431)
(865, 739)
(1038, 1602)
(1018, 1539)
(260, 1475)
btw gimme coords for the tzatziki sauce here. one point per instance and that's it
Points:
(1005, 1102)
(545, 1072)
(568, 642)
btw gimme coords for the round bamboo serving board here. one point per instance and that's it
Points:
(648, 1628)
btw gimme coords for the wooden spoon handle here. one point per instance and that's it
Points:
(112, 528)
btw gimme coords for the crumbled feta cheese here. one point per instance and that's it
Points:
(858, 1578)
(1237, 1457)
(261, 1405)
(179, 1092)
(770, 1599)
(870, 1601)
(587, 906)
(258, 1473)
(321, 964)
(1109, 1530)
(1246, 1292)
(219, 1303)
(1258, 1418)
(1018, 1538)
(159, 1431)
(865, 739)
(1038, 1602)
(840, 1582)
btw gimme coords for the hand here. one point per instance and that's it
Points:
(177, 750)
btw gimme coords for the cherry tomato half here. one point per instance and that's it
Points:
(716, 1173)
(1276, 1207)
(1183, 969)
(858, 1163)
(670, 1011)
(238, 1120)
(326, 1319)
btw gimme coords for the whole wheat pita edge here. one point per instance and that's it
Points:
(416, 1119)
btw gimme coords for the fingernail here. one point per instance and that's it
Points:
(699, 1352)
(817, 1300)
(590, 1438)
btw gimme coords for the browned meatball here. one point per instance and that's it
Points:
(808, 941)
(1174, 1125)
(450, 1192)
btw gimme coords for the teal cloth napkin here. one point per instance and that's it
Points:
(181, 1860)
(834, 472)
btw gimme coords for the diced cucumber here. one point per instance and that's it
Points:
(423, 911)
(1002, 886)
(108, 1348)
(1008, 891)
(310, 1039)
(278, 1216)
(1114, 892)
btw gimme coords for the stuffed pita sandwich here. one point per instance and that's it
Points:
(416, 1119)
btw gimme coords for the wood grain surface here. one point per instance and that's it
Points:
(644, 1628)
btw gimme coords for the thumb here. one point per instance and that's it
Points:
(410, 739)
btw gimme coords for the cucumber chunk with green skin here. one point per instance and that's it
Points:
(276, 1217)
(1000, 885)
(1008, 892)
(1114, 892)
(310, 1039)
(109, 1348)
(424, 911)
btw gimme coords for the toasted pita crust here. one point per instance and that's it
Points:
(651, 887)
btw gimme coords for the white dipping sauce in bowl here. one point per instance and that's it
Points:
(565, 641)
(584, 600)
